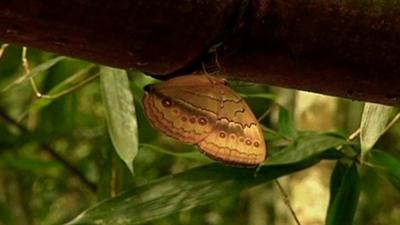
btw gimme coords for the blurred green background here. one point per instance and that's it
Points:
(57, 159)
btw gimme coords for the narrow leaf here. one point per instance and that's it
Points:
(286, 124)
(184, 191)
(306, 146)
(264, 95)
(120, 113)
(46, 65)
(188, 155)
(373, 122)
(386, 165)
(345, 190)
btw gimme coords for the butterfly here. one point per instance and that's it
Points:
(204, 111)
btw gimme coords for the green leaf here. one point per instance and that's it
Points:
(188, 155)
(272, 135)
(138, 81)
(6, 215)
(264, 95)
(306, 146)
(373, 122)
(345, 190)
(386, 165)
(120, 113)
(286, 124)
(180, 192)
(28, 163)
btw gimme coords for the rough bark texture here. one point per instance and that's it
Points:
(338, 47)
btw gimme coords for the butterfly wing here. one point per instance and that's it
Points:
(237, 137)
(184, 108)
(202, 110)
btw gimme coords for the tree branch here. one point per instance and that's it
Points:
(52, 152)
(337, 47)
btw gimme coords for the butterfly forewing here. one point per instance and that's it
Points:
(202, 110)
(183, 110)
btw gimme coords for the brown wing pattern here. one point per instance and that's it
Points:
(202, 110)
(237, 137)
(180, 110)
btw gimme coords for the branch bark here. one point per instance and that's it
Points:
(337, 47)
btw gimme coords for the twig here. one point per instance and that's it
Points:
(114, 180)
(51, 151)
(265, 114)
(392, 122)
(3, 48)
(27, 70)
(354, 134)
(71, 89)
(284, 195)
(287, 201)
(390, 125)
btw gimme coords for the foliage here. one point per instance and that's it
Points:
(69, 160)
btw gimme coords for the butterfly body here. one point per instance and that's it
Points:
(203, 110)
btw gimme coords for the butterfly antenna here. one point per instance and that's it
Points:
(203, 66)
(214, 68)
(214, 49)
(217, 61)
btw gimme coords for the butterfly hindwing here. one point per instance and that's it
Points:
(237, 137)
